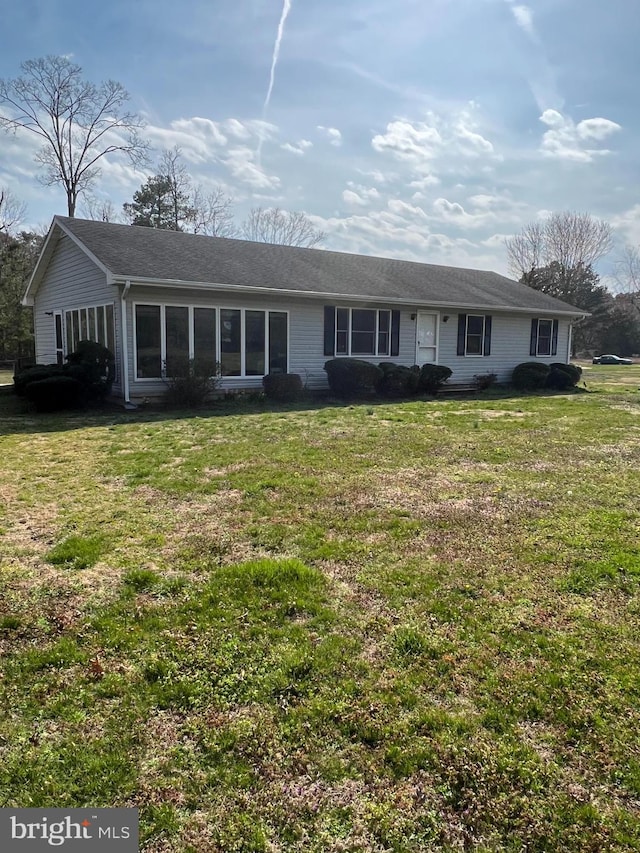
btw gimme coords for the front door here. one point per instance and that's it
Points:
(426, 338)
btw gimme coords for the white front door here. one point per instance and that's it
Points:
(426, 338)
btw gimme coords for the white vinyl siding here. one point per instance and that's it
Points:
(72, 282)
(510, 337)
(510, 343)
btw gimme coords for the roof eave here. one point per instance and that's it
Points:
(280, 291)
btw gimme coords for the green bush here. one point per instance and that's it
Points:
(352, 377)
(192, 382)
(530, 375)
(432, 376)
(55, 393)
(35, 374)
(563, 376)
(398, 380)
(283, 387)
(91, 368)
(96, 364)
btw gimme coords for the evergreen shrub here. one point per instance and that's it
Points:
(433, 376)
(530, 375)
(352, 377)
(397, 380)
(282, 387)
(563, 376)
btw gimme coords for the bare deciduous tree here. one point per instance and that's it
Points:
(572, 240)
(170, 200)
(213, 213)
(78, 122)
(272, 225)
(628, 270)
(179, 187)
(101, 210)
(11, 211)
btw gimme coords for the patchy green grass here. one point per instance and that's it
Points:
(397, 627)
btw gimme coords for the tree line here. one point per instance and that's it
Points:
(79, 123)
(557, 256)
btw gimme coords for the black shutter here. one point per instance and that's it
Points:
(395, 332)
(533, 346)
(487, 335)
(554, 338)
(329, 330)
(462, 333)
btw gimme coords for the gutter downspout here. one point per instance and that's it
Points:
(569, 342)
(125, 347)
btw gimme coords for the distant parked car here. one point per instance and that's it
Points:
(611, 359)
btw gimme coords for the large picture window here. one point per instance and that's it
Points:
(243, 342)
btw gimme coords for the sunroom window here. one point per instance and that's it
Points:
(243, 342)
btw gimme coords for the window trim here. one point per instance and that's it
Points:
(376, 340)
(191, 306)
(534, 346)
(93, 332)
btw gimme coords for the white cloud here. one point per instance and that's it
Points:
(566, 140)
(358, 195)
(421, 184)
(242, 165)
(473, 142)
(332, 133)
(524, 19)
(202, 139)
(627, 224)
(403, 209)
(420, 144)
(402, 231)
(412, 142)
(299, 148)
(596, 128)
(353, 199)
(378, 176)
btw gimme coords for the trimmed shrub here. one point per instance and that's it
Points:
(192, 382)
(563, 376)
(483, 381)
(96, 363)
(91, 366)
(55, 393)
(352, 377)
(432, 376)
(398, 380)
(34, 374)
(530, 375)
(283, 387)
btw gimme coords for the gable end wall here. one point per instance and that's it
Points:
(72, 280)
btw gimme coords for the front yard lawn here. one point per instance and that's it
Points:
(399, 627)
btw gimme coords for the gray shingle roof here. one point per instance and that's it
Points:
(134, 252)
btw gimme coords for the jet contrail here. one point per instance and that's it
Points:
(274, 61)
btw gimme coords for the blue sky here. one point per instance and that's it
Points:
(423, 129)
